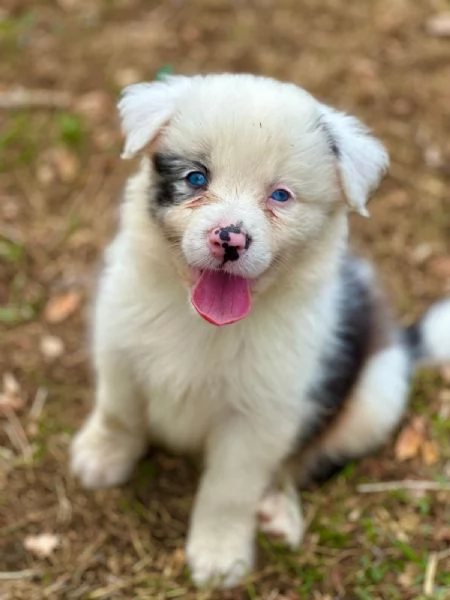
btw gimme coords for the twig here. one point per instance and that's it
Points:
(17, 436)
(38, 404)
(8, 575)
(64, 513)
(407, 484)
(25, 98)
(430, 573)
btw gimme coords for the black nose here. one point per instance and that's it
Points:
(234, 241)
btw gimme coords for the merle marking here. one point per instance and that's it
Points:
(170, 181)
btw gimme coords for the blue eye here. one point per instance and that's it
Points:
(280, 195)
(197, 179)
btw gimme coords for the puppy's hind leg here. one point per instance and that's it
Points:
(368, 419)
(114, 437)
(280, 513)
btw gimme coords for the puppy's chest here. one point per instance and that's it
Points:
(194, 377)
(188, 388)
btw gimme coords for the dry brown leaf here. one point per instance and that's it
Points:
(413, 441)
(439, 25)
(430, 452)
(408, 443)
(422, 252)
(52, 347)
(10, 397)
(62, 306)
(178, 558)
(10, 384)
(433, 157)
(41, 545)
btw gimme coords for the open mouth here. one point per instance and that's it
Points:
(221, 298)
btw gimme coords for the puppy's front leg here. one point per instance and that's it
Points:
(114, 436)
(240, 462)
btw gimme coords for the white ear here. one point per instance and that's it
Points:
(362, 159)
(145, 107)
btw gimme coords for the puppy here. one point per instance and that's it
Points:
(230, 318)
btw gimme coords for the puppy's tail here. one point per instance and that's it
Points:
(428, 340)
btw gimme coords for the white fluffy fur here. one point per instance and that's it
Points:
(362, 160)
(145, 107)
(239, 393)
(377, 406)
(436, 333)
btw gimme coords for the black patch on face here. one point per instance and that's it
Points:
(224, 233)
(231, 253)
(170, 173)
(342, 363)
(332, 142)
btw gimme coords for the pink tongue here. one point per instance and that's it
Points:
(221, 298)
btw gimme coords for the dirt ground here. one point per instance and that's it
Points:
(60, 178)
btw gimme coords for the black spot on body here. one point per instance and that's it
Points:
(343, 360)
(325, 468)
(224, 235)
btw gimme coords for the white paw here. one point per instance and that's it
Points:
(280, 517)
(219, 561)
(103, 457)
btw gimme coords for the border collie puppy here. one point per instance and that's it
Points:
(230, 318)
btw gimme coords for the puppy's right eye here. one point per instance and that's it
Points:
(197, 179)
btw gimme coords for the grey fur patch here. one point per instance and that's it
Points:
(331, 139)
(413, 340)
(171, 186)
(343, 361)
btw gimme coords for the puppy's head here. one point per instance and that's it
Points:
(245, 173)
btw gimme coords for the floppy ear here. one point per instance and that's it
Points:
(362, 160)
(145, 107)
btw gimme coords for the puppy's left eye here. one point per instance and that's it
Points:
(280, 195)
(197, 179)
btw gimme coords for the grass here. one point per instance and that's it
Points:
(70, 129)
(25, 135)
